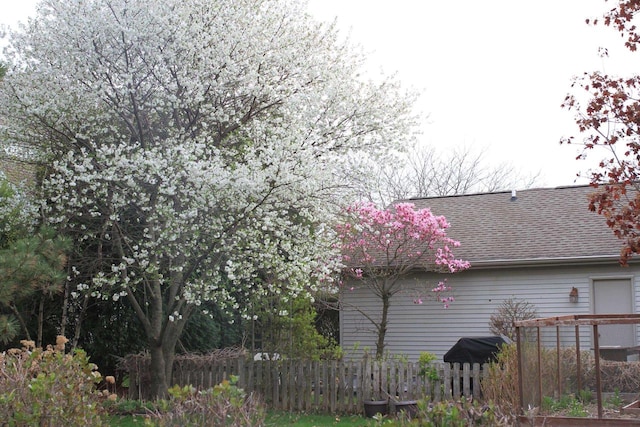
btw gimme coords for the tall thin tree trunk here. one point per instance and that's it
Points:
(40, 321)
(382, 327)
(65, 308)
(23, 325)
(78, 325)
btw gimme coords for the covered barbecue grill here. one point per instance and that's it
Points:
(475, 350)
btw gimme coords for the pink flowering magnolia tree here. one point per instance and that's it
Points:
(381, 246)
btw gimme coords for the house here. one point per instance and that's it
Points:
(17, 171)
(536, 245)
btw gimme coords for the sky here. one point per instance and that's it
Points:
(491, 74)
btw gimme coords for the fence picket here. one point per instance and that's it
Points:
(335, 380)
(466, 386)
(475, 375)
(455, 380)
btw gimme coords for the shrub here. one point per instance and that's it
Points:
(46, 387)
(223, 405)
(427, 369)
(129, 407)
(501, 383)
(461, 413)
(511, 310)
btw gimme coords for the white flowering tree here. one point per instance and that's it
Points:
(192, 146)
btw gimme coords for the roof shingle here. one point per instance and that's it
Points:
(539, 224)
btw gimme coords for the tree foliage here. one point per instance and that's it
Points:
(424, 171)
(32, 263)
(379, 247)
(33, 267)
(18, 213)
(610, 119)
(289, 329)
(191, 147)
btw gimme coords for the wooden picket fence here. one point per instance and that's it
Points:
(322, 386)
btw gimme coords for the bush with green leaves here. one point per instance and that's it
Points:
(427, 369)
(223, 405)
(48, 387)
(287, 327)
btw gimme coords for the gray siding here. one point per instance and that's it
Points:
(415, 328)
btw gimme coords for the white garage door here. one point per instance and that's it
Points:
(614, 297)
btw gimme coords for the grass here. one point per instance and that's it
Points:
(126, 421)
(316, 420)
(279, 419)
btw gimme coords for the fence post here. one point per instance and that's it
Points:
(476, 389)
(242, 380)
(384, 380)
(365, 380)
(276, 378)
(332, 385)
(391, 374)
(376, 367)
(456, 380)
(447, 381)
(284, 384)
(293, 385)
(466, 383)
(301, 381)
(316, 383)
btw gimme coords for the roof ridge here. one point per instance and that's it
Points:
(560, 187)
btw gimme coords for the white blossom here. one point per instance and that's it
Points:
(196, 139)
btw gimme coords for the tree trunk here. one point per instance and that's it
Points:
(65, 308)
(78, 325)
(23, 325)
(382, 326)
(40, 321)
(158, 368)
(163, 352)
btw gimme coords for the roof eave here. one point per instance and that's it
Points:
(541, 262)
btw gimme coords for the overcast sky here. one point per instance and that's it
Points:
(492, 73)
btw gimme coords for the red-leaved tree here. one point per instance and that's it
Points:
(611, 119)
(381, 246)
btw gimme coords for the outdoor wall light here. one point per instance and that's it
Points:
(573, 295)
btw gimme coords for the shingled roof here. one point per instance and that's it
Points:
(545, 225)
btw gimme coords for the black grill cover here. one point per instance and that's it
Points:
(474, 350)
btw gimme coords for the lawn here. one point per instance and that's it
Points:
(314, 420)
(126, 421)
(276, 419)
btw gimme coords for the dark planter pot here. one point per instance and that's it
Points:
(410, 407)
(373, 407)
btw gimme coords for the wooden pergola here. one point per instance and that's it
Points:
(592, 320)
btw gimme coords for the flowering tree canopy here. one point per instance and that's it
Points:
(381, 246)
(191, 146)
(611, 120)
